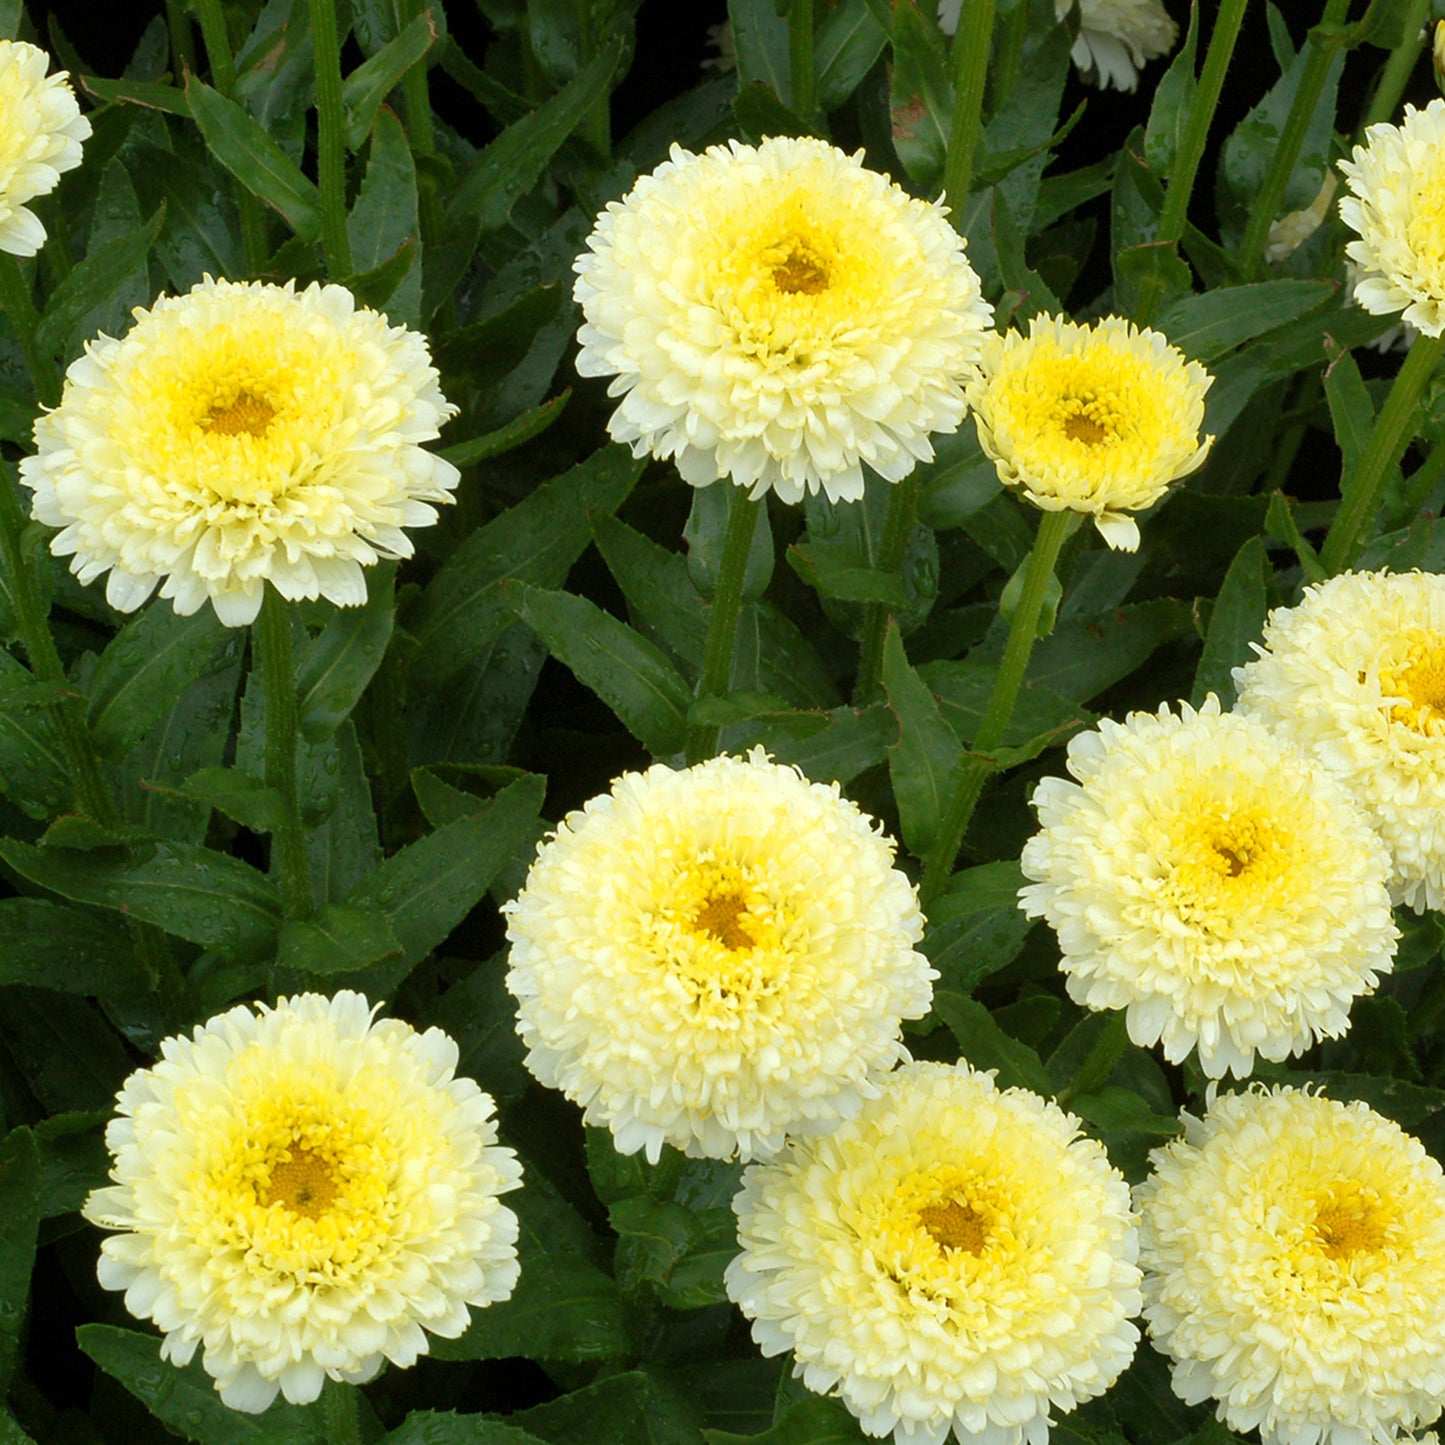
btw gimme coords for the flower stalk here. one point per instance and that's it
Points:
(1191, 148)
(972, 43)
(800, 55)
(271, 642)
(897, 529)
(1324, 46)
(1386, 446)
(330, 139)
(722, 626)
(973, 771)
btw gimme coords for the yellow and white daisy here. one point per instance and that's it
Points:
(1095, 419)
(1355, 675)
(957, 1258)
(303, 1192)
(716, 957)
(1206, 876)
(781, 316)
(41, 129)
(1397, 203)
(1116, 39)
(1294, 1256)
(239, 435)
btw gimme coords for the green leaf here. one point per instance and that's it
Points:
(91, 282)
(986, 1046)
(443, 1427)
(830, 746)
(847, 46)
(342, 659)
(1173, 102)
(207, 897)
(200, 233)
(339, 939)
(186, 1400)
(19, 1223)
(626, 1409)
(921, 94)
(1351, 411)
(463, 612)
(1207, 326)
(812, 1421)
(345, 848)
(635, 679)
(52, 946)
(759, 114)
(382, 227)
(680, 1251)
(828, 573)
(34, 773)
(532, 423)
(147, 94)
(425, 890)
(245, 148)
(760, 43)
(925, 759)
(66, 1050)
(373, 80)
(1121, 1111)
(143, 669)
(513, 163)
(1237, 620)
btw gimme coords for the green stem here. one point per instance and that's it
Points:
(16, 298)
(330, 139)
(1396, 74)
(800, 54)
(1191, 148)
(420, 132)
(971, 45)
(339, 1409)
(1385, 448)
(92, 794)
(1054, 528)
(1323, 48)
(271, 642)
(217, 40)
(897, 529)
(1099, 1064)
(722, 626)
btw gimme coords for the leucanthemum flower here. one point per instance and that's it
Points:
(41, 129)
(239, 435)
(955, 1258)
(303, 1191)
(1294, 1256)
(1355, 675)
(781, 316)
(1116, 39)
(1095, 419)
(1209, 878)
(716, 957)
(1397, 205)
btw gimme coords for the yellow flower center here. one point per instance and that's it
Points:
(244, 413)
(1087, 421)
(720, 917)
(1349, 1220)
(1226, 852)
(801, 269)
(1425, 230)
(302, 1182)
(955, 1226)
(1419, 678)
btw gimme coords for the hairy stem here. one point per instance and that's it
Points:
(330, 139)
(897, 529)
(971, 45)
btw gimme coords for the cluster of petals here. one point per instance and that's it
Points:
(781, 316)
(957, 1258)
(1294, 1256)
(716, 957)
(1397, 205)
(1097, 419)
(1212, 880)
(240, 435)
(1355, 675)
(41, 130)
(1116, 39)
(303, 1191)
